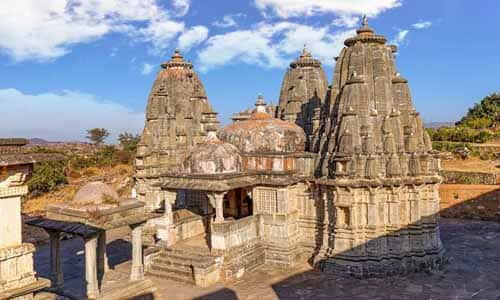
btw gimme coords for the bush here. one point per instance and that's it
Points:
(485, 156)
(459, 134)
(47, 176)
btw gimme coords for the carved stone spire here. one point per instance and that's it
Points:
(303, 92)
(178, 117)
(373, 152)
(369, 93)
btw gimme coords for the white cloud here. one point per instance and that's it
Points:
(294, 8)
(271, 45)
(63, 116)
(193, 37)
(182, 6)
(228, 21)
(400, 38)
(159, 33)
(422, 25)
(147, 69)
(348, 21)
(45, 30)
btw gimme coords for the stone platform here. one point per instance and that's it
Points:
(472, 248)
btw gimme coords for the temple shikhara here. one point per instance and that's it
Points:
(342, 176)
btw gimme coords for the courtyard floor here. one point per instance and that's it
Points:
(473, 272)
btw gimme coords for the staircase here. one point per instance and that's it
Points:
(180, 262)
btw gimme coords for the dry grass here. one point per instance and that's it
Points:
(118, 177)
(472, 165)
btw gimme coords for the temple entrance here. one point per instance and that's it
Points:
(238, 203)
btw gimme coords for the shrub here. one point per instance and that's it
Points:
(485, 156)
(459, 134)
(47, 176)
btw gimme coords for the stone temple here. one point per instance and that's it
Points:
(343, 177)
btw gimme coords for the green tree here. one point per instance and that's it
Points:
(483, 114)
(97, 135)
(46, 176)
(129, 141)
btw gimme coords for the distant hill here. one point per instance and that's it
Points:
(436, 125)
(38, 141)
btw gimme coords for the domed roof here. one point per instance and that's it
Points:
(262, 133)
(213, 157)
(95, 193)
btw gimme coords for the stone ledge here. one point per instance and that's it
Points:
(14, 191)
(16, 251)
(39, 284)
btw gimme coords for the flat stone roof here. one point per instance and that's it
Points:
(226, 182)
(13, 142)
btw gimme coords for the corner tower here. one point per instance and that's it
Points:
(377, 168)
(303, 92)
(178, 116)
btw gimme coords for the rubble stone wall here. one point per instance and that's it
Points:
(460, 177)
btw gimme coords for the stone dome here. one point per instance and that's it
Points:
(262, 133)
(95, 193)
(213, 157)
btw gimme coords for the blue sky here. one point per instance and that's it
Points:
(70, 65)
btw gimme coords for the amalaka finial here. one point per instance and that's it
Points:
(177, 54)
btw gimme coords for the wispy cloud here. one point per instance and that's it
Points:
(348, 21)
(147, 69)
(181, 6)
(295, 8)
(193, 37)
(400, 38)
(422, 25)
(228, 21)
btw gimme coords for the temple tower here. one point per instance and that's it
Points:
(177, 117)
(303, 92)
(376, 167)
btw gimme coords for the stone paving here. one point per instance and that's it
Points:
(473, 272)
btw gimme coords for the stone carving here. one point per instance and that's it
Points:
(303, 92)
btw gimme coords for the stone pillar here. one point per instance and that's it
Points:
(102, 257)
(165, 227)
(91, 268)
(56, 273)
(137, 272)
(219, 208)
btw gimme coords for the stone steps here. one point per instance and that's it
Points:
(178, 264)
(171, 276)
